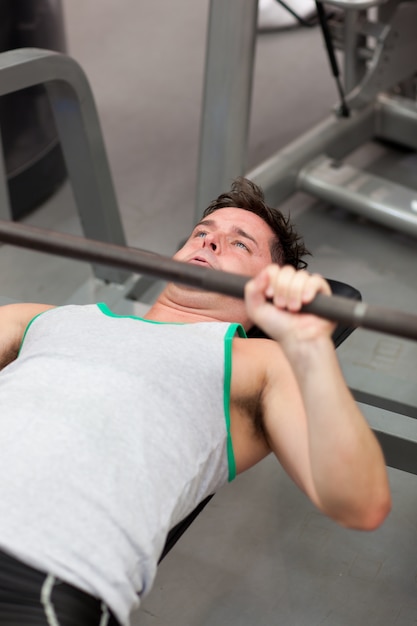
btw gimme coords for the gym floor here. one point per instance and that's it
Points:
(259, 553)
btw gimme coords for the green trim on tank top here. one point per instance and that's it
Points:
(228, 342)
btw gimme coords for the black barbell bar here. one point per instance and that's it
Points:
(335, 308)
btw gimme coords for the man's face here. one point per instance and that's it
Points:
(231, 240)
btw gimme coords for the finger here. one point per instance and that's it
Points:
(287, 287)
(297, 290)
(315, 284)
(290, 288)
(256, 289)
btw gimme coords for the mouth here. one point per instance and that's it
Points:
(198, 260)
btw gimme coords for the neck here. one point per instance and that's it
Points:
(191, 306)
(161, 312)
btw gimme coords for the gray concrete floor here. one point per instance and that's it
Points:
(259, 553)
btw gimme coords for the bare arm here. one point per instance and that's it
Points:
(14, 319)
(312, 422)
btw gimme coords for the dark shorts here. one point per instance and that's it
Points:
(29, 597)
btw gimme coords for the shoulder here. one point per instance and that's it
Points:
(17, 316)
(14, 319)
(264, 354)
(261, 366)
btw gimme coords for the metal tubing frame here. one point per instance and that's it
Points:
(230, 57)
(394, 57)
(80, 135)
(389, 117)
(226, 107)
(5, 210)
(354, 67)
(395, 117)
(355, 191)
(398, 451)
(335, 137)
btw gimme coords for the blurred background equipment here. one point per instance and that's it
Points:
(32, 155)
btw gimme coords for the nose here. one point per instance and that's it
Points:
(212, 241)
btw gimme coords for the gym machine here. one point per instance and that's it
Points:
(379, 43)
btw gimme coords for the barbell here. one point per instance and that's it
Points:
(335, 308)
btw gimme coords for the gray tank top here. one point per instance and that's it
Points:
(112, 429)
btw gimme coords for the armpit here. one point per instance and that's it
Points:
(252, 408)
(7, 355)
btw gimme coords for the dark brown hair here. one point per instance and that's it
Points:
(287, 247)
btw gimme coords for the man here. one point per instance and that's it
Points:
(113, 428)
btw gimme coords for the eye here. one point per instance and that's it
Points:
(240, 244)
(200, 233)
